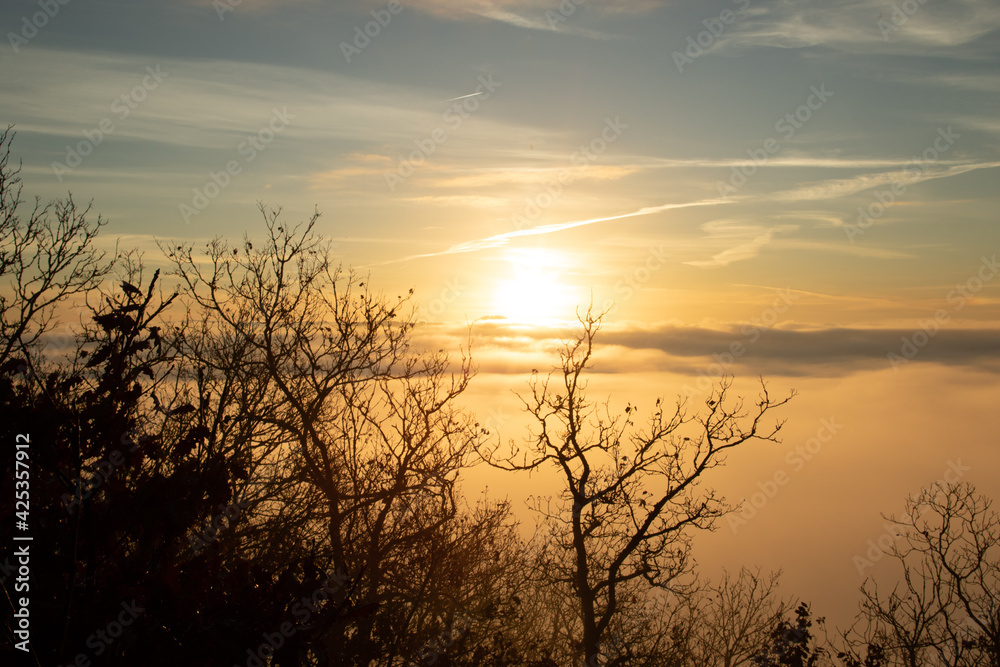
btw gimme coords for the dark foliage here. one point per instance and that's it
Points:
(791, 643)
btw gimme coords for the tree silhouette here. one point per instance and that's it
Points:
(737, 618)
(118, 489)
(630, 495)
(791, 644)
(261, 469)
(46, 258)
(946, 608)
(357, 438)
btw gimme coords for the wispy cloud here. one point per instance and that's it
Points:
(209, 103)
(460, 200)
(749, 240)
(514, 175)
(530, 14)
(540, 22)
(842, 187)
(452, 172)
(859, 26)
(781, 161)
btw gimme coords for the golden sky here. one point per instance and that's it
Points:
(802, 191)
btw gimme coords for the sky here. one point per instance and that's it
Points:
(805, 191)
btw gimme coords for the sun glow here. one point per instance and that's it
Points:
(533, 291)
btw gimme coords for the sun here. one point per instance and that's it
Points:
(532, 290)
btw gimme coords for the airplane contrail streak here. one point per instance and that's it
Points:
(462, 97)
(502, 239)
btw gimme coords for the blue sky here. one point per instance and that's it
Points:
(891, 92)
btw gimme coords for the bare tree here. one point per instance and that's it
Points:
(630, 495)
(737, 617)
(906, 625)
(45, 259)
(369, 428)
(946, 608)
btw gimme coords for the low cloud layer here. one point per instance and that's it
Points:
(745, 349)
(824, 351)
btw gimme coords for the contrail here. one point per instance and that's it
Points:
(462, 97)
(502, 239)
(794, 194)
